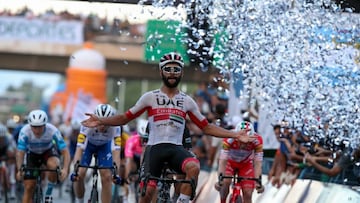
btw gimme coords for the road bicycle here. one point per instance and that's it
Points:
(94, 195)
(236, 195)
(118, 192)
(4, 178)
(38, 196)
(167, 178)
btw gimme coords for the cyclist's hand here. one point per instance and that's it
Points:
(217, 186)
(117, 180)
(19, 175)
(259, 188)
(92, 121)
(63, 175)
(74, 177)
(244, 138)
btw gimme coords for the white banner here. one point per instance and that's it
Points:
(61, 31)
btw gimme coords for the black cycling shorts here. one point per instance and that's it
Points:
(156, 156)
(34, 160)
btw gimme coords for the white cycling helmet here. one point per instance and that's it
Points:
(245, 125)
(75, 124)
(10, 123)
(104, 110)
(37, 118)
(171, 57)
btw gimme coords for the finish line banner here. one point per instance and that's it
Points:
(61, 31)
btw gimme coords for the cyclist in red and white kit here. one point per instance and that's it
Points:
(167, 109)
(245, 158)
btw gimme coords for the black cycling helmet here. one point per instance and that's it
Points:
(171, 57)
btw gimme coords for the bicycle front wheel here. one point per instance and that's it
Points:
(38, 195)
(236, 199)
(94, 198)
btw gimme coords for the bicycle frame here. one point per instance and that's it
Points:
(236, 195)
(38, 193)
(165, 185)
(94, 195)
(135, 175)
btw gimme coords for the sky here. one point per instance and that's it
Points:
(49, 81)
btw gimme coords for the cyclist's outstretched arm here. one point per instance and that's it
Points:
(217, 131)
(116, 120)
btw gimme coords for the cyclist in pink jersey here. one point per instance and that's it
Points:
(167, 109)
(134, 149)
(133, 153)
(245, 158)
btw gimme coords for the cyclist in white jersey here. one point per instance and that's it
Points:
(167, 109)
(41, 142)
(105, 141)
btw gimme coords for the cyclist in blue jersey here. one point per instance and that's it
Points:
(36, 140)
(105, 141)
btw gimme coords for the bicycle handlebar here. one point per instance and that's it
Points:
(238, 178)
(40, 170)
(170, 181)
(116, 178)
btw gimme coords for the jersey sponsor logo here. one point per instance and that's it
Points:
(117, 141)
(166, 101)
(81, 138)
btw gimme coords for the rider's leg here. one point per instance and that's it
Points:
(192, 170)
(29, 188)
(150, 192)
(79, 186)
(247, 194)
(11, 173)
(106, 183)
(52, 163)
(224, 190)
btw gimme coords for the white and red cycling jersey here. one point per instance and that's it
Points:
(236, 151)
(167, 116)
(240, 156)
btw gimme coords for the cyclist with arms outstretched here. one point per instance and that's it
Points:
(167, 109)
(41, 142)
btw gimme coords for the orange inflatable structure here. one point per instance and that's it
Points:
(86, 75)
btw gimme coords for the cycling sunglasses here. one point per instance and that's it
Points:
(172, 69)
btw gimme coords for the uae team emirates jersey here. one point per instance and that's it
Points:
(167, 116)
